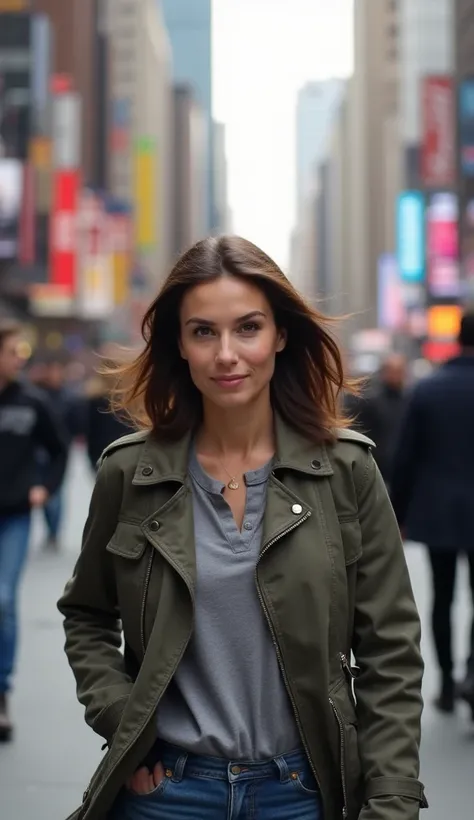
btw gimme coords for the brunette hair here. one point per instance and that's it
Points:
(156, 389)
(8, 328)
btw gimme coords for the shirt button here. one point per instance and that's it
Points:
(297, 509)
(155, 526)
(147, 471)
(248, 526)
(316, 465)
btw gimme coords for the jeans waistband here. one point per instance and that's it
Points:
(177, 762)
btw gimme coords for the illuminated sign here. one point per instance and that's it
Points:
(411, 236)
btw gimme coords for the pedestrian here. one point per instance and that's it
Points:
(101, 426)
(51, 379)
(379, 409)
(433, 494)
(26, 424)
(245, 543)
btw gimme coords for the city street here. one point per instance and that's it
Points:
(44, 772)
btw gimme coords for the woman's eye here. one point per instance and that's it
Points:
(202, 331)
(250, 327)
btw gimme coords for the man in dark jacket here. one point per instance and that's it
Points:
(67, 405)
(379, 410)
(26, 424)
(433, 492)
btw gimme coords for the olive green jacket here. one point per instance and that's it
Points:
(331, 578)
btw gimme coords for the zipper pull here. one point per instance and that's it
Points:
(352, 671)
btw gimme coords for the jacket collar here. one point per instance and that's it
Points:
(168, 461)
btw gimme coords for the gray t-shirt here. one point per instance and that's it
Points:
(228, 698)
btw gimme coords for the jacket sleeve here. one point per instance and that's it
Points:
(91, 616)
(386, 645)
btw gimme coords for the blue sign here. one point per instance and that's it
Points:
(411, 236)
(466, 125)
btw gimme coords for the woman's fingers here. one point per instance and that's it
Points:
(144, 781)
(158, 774)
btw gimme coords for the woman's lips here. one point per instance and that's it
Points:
(229, 381)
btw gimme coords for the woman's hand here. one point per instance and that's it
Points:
(144, 781)
(38, 496)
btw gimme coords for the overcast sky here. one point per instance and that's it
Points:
(264, 51)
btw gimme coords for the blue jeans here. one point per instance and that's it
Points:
(53, 511)
(197, 787)
(14, 538)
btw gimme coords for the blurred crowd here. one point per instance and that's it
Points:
(423, 430)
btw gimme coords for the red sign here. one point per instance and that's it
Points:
(438, 168)
(63, 230)
(61, 83)
(440, 351)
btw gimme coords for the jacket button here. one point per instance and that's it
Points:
(155, 526)
(297, 509)
(147, 470)
(316, 465)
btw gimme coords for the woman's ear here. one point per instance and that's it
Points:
(181, 349)
(281, 340)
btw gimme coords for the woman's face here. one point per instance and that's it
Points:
(230, 340)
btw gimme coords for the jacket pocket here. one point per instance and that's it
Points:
(351, 771)
(133, 561)
(351, 539)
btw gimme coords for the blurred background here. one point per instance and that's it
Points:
(339, 136)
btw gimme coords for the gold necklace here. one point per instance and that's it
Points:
(233, 484)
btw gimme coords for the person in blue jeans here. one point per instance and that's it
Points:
(27, 424)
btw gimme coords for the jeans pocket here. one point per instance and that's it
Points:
(158, 791)
(304, 782)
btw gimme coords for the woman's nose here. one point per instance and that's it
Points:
(226, 353)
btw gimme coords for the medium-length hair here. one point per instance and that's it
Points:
(155, 390)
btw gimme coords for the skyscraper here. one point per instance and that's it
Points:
(316, 108)
(426, 48)
(189, 27)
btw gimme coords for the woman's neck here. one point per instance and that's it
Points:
(237, 432)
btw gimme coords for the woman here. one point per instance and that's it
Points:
(245, 544)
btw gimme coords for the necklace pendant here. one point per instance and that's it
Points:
(233, 484)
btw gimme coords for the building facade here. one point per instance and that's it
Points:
(373, 129)
(140, 129)
(189, 182)
(426, 48)
(74, 26)
(189, 24)
(316, 105)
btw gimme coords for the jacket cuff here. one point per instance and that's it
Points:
(396, 787)
(107, 721)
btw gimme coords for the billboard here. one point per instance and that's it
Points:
(11, 191)
(438, 161)
(444, 322)
(391, 311)
(411, 236)
(146, 217)
(466, 125)
(442, 246)
(63, 229)
(96, 279)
